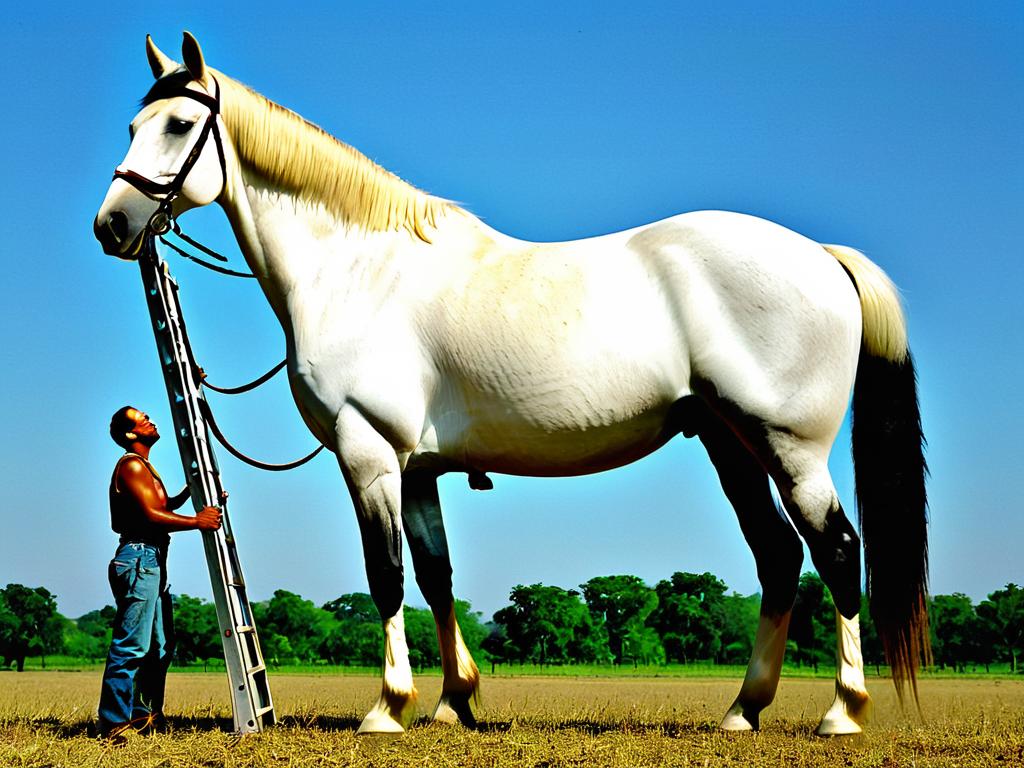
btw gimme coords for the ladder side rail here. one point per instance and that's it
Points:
(247, 674)
(251, 702)
(230, 563)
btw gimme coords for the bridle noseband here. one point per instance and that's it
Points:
(161, 220)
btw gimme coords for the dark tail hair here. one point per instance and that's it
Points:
(890, 469)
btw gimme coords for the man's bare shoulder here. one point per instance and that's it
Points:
(133, 469)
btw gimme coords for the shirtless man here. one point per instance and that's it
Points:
(132, 695)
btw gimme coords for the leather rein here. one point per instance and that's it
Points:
(163, 221)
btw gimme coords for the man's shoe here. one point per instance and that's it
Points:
(118, 735)
(154, 722)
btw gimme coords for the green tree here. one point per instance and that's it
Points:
(276, 648)
(88, 637)
(689, 616)
(98, 623)
(421, 635)
(623, 604)
(740, 616)
(29, 624)
(299, 621)
(953, 624)
(985, 643)
(1004, 612)
(9, 624)
(497, 646)
(551, 625)
(82, 645)
(196, 630)
(642, 644)
(356, 637)
(812, 626)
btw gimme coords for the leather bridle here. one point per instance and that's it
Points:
(161, 220)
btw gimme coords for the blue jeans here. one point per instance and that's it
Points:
(143, 635)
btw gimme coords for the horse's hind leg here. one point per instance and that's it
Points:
(424, 527)
(800, 469)
(777, 552)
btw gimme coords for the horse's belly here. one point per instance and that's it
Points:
(525, 449)
(559, 426)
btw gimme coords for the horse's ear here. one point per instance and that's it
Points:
(159, 62)
(192, 55)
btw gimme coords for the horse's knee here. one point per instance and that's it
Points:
(387, 594)
(434, 578)
(385, 574)
(835, 551)
(833, 542)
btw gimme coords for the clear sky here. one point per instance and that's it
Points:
(894, 128)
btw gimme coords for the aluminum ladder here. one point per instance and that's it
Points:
(251, 704)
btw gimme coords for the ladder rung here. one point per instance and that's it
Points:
(257, 668)
(264, 710)
(244, 628)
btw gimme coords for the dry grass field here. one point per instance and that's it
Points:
(46, 720)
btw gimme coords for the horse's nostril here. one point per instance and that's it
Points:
(118, 224)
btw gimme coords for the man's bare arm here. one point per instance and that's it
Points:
(138, 482)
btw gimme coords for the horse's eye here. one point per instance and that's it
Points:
(178, 127)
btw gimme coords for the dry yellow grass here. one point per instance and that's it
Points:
(46, 720)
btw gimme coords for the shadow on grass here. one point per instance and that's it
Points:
(89, 728)
(591, 727)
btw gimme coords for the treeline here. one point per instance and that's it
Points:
(609, 620)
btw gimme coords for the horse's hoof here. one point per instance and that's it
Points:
(736, 720)
(845, 718)
(454, 709)
(379, 722)
(384, 719)
(841, 725)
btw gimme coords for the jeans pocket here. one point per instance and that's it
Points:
(123, 576)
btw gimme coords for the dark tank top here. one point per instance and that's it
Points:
(125, 516)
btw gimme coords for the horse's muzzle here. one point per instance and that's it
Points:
(112, 235)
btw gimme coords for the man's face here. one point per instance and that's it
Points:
(145, 430)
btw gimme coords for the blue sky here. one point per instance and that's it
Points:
(891, 128)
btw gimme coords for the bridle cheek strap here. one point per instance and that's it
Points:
(160, 222)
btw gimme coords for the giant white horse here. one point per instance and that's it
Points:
(421, 341)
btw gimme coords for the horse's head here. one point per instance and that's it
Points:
(171, 165)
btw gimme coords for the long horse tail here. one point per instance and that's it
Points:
(890, 471)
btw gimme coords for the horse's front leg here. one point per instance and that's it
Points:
(421, 516)
(372, 472)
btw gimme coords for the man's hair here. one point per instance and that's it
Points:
(121, 424)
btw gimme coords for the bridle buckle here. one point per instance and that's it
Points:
(160, 223)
